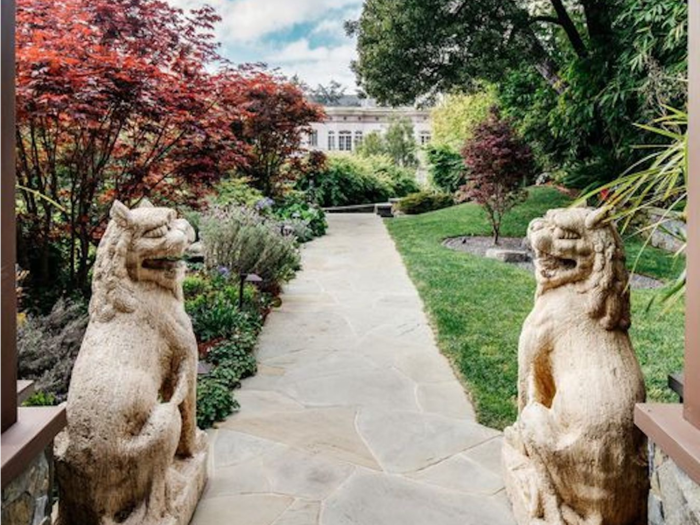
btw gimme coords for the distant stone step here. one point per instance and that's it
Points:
(384, 209)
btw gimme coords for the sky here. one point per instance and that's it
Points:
(302, 37)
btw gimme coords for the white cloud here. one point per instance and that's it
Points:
(316, 65)
(249, 20)
(246, 24)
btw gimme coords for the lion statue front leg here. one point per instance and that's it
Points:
(188, 445)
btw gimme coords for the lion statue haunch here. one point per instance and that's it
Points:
(131, 452)
(574, 456)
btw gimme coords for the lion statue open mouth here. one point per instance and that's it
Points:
(574, 456)
(131, 452)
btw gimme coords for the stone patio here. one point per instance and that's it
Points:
(354, 417)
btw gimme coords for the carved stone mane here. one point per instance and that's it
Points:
(131, 452)
(574, 455)
(111, 288)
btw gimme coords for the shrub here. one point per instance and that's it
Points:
(48, 346)
(243, 242)
(349, 180)
(211, 300)
(235, 191)
(346, 180)
(236, 356)
(401, 180)
(214, 401)
(212, 319)
(307, 220)
(424, 201)
(498, 161)
(446, 166)
(40, 399)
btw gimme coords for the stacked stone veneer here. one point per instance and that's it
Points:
(674, 498)
(27, 499)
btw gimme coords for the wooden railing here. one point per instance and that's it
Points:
(8, 298)
(25, 431)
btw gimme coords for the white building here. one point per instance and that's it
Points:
(345, 127)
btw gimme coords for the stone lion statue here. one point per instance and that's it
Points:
(574, 456)
(131, 452)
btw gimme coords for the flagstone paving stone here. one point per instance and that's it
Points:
(354, 417)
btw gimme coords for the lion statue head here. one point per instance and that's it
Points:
(142, 245)
(577, 246)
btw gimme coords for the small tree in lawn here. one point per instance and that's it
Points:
(498, 161)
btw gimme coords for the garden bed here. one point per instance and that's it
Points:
(479, 245)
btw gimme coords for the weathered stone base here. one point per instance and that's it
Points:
(27, 499)
(517, 470)
(186, 479)
(189, 476)
(519, 477)
(674, 498)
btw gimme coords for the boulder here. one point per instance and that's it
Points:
(508, 256)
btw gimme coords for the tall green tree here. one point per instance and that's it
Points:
(456, 117)
(410, 48)
(398, 143)
(372, 145)
(401, 142)
(574, 74)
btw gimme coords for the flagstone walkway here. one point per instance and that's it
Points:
(354, 418)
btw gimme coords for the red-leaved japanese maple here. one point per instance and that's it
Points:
(498, 162)
(275, 118)
(113, 101)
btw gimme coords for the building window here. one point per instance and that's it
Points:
(424, 137)
(313, 139)
(331, 140)
(358, 138)
(345, 141)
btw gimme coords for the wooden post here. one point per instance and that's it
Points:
(691, 388)
(8, 318)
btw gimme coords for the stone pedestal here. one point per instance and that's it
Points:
(189, 477)
(518, 475)
(27, 499)
(674, 498)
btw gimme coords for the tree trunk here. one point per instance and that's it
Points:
(569, 28)
(599, 22)
(544, 64)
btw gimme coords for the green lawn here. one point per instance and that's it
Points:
(478, 305)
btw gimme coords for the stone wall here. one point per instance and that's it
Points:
(27, 499)
(674, 498)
